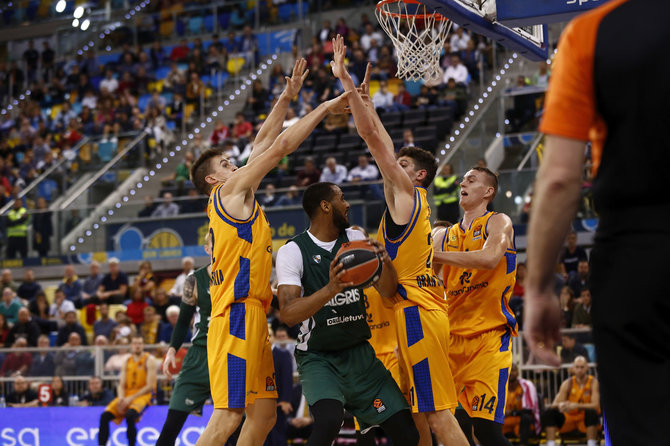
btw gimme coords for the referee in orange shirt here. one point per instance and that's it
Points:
(610, 86)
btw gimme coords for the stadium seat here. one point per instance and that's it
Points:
(106, 150)
(161, 72)
(224, 20)
(415, 117)
(46, 188)
(142, 102)
(391, 119)
(208, 23)
(195, 25)
(181, 28)
(413, 88)
(426, 142)
(166, 28)
(348, 147)
(285, 11)
(325, 140)
(234, 65)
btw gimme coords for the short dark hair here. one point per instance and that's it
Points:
(493, 179)
(201, 168)
(423, 159)
(315, 194)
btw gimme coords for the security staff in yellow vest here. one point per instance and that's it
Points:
(17, 231)
(445, 195)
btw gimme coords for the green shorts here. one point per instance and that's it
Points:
(191, 389)
(356, 378)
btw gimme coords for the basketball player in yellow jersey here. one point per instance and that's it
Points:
(238, 349)
(136, 386)
(479, 272)
(422, 324)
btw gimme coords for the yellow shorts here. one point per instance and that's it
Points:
(512, 425)
(573, 422)
(423, 356)
(139, 404)
(240, 356)
(481, 369)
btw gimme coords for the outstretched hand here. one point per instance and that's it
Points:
(339, 53)
(339, 105)
(294, 83)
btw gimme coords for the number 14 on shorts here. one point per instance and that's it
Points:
(480, 403)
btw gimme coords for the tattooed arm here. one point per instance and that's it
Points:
(189, 300)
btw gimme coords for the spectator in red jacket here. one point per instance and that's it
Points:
(242, 128)
(180, 52)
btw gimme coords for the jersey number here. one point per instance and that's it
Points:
(211, 234)
(489, 406)
(366, 304)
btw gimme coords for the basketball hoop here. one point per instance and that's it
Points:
(418, 36)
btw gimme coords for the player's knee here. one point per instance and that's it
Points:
(329, 423)
(409, 436)
(106, 417)
(132, 416)
(550, 418)
(526, 417)
(591, 417)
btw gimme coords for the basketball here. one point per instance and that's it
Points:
(363, 266)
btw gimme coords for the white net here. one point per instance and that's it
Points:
(418, 35)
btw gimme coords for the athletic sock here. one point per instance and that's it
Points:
(551, 443)
(591, 443)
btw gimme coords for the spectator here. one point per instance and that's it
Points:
(177, 289)
(341, 28)
(269, 198)
(25, 327)
(71, 326)
(231, 45)
(59, 396)
(167, 208)
(582, 315)
(71, 285)
(567, 301)
(180, 52)
(459, 39)
(17, 363)
(10, 305)
(96, 395)
(579, 280)
(23, 395)
(194, 90)
(445, 192)
(541, 77)
(471, 59)
(149, 207)
(31, 57)
(135, 309)
(175, 80)
(364, 171)
(456, 70)
(156, 101)
(90, 286)
(43, 361)
(283, 363)
(109, 85)
(29, 287)
(73, 361)
(48, 56)
(370, 34)
(383, 98)
(17, 231)
(219, 134)
(455, 96)
(42, 228)
(309, 174)
(7, 281)
(576, 405)
(292, 118)
(166, 328)
(291, 198)
(150, 326)
(60, 307)
(4, 330)
(402, 100)
(161, 302)
(258, 99)
(571, 348)
(231, 151)
(105, 324)
(114, 286)
(426, 97)
(116, 362)
(241, 128)
(522, 409)
(572, 254)
(333, 172)
(145, 280)
(324, 32)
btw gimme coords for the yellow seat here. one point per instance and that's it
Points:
(55, 109)
(235, 64)
(393, 85)
(49, 292)
(166, 28)
(113, 309)
(374, 87)
(188, 110)
(167, 284)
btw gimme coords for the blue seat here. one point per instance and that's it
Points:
(181, 28)
(215, 80)
(195, 25)
(95, 81)
(206, 79)
(106, 150)
(296, 9)
(168, 97)
(142, 102)
(171, 125)
(162, 72)
(224, 20)
(413, 88)
(77, 107)
(285, 11)
(46, 188)
(208, 23)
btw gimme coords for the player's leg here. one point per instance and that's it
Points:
(173, 423)
(103, 430)
(261, 416)
(421, 423)
(446, 428)
(525, 423)
(552, 420)
(489, 433)
(592, 422)
(131, 430)
(328, 417)
(221, 425)
(366, 439)
(465, 422)
(401, 429)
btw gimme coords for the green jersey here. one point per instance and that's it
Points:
(203, 310)
(341, 323)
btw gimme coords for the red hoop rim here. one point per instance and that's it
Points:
(435, 15)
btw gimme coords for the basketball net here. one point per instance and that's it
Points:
(418, 36)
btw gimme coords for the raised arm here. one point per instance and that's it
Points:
(273, 123)
(500, 231)
(246, 179)
(398, 187)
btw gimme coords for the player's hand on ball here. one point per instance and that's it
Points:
(335, 285)
(380, 250)
(170, 362)
(294, 83)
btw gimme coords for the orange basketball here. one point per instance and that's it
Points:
(363, 266)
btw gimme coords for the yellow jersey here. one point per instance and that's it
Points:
(514, 399)
(241, 256)
(478, 299)
(381, 321)
(136, 374)
(412, 256)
